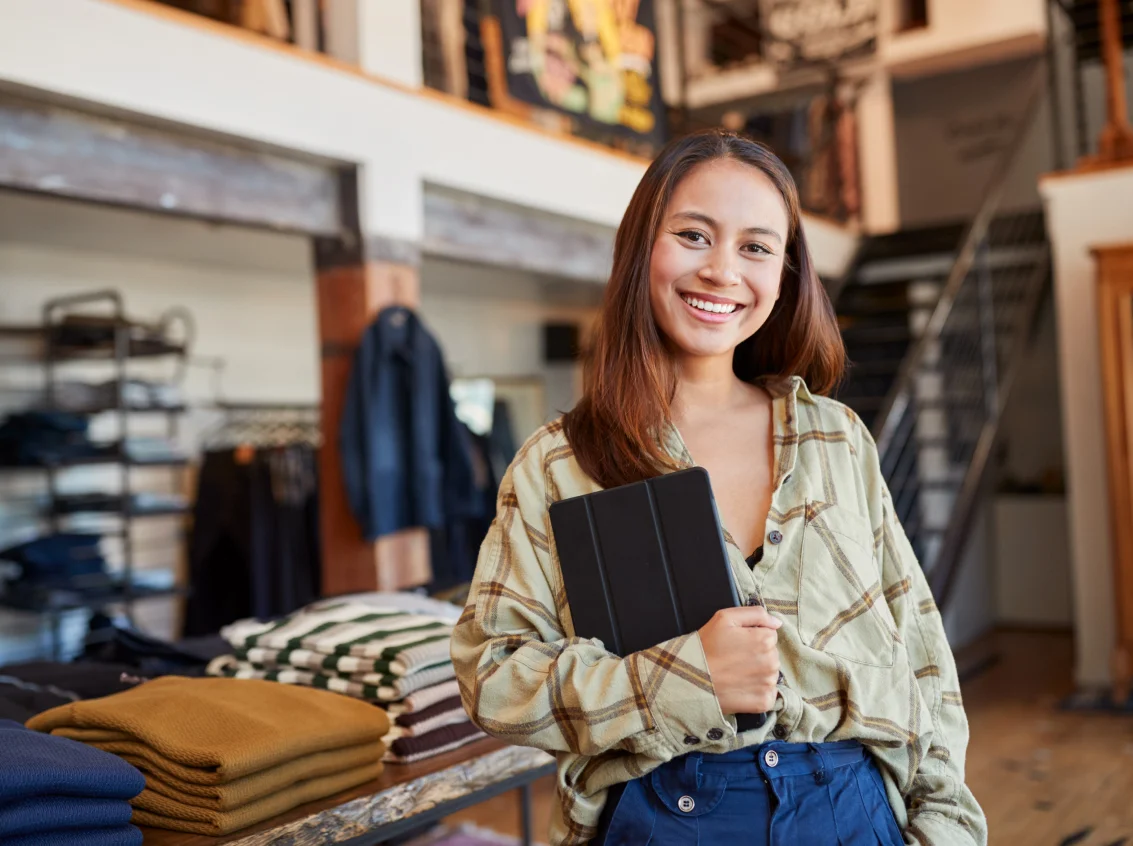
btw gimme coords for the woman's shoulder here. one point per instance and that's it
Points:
(546, 465)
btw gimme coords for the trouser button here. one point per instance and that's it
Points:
(771, 758)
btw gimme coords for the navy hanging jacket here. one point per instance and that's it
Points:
(405, 457)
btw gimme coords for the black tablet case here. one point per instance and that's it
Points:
(645, 562)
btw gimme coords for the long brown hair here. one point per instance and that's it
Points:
(630, 381)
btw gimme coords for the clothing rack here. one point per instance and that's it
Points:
(265, 424)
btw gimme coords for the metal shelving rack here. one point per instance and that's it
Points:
(121, 347)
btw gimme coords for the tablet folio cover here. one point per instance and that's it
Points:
(645, 562)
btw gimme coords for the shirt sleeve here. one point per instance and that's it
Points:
(524, 680)
(942, 810)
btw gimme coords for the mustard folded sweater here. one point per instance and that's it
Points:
(152, 808)
(220, 729)
(239, 792)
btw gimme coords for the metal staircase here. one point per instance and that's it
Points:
(936, 323)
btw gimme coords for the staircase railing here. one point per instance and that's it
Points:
(938, 426)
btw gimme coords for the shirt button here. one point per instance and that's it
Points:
(781, 731)
(715, 734)
(692, 741)
(775, 537)
(771, 758)
(686, 803)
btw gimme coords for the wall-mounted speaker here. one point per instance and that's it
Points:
(561, 342)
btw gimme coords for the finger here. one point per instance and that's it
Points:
(749, 616)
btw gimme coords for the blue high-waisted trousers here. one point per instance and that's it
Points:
(776, 794)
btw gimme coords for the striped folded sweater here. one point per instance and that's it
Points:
(371, 687)
(347, 629)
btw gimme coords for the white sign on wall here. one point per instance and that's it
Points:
(808, 32)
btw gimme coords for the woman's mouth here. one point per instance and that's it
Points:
(709, 311)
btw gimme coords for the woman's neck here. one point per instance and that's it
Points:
(706, 385)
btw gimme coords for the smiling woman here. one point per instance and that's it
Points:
(716, 340)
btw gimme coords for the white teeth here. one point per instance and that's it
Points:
(714, 308)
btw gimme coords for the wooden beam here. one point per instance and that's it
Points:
(471, 228)
(1115, 334)
(1116, 141)
(357, 277)
(62, 151)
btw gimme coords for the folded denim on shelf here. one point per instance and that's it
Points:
(160, 811)
(122, 835)
(57, 557)
(39, 814)
(41, 765)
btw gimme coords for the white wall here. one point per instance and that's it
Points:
(965, 32)
(951, 133)
(1086, 210)
(490, 322)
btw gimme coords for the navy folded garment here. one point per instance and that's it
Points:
(44, 814)
(44, 765)
(123, 835)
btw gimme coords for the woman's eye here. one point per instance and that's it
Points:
(693, 236)
(758, 248)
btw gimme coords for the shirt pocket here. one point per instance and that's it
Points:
(842, 609)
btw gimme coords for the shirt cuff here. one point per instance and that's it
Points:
(929, 828)
(685, 708)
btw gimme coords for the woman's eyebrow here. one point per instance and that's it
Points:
(711, 223)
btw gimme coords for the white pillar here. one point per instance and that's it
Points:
(383, 37)
(877, 156)
(1086, 210)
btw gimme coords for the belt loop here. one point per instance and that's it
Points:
(692, 767)
(824, 765)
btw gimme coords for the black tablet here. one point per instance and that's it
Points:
(645, 562)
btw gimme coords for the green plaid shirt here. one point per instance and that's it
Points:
(862, 647)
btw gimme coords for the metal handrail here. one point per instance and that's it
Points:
(896, 403)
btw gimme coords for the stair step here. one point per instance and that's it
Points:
(866, 334)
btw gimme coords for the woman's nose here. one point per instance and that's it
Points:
(720, 273)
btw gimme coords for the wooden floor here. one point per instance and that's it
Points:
(1043, 776)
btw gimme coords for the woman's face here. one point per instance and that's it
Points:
(718, 258)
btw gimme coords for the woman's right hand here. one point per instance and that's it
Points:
(741, 645)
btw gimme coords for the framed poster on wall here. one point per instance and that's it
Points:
(594, 60)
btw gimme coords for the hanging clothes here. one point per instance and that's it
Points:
(405, 456)
(254, 550)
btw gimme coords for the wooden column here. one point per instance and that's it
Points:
(357, 278)
(1116, 141)
(1115, 331)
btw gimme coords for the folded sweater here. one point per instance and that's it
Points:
(430, 652)
(160, 811)
(38, 765)
(122, 835)
(227, 727)
(165, 777)
(343, 629)
(367, 687)
(40, 814)
(406, 750)
(421, 699)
